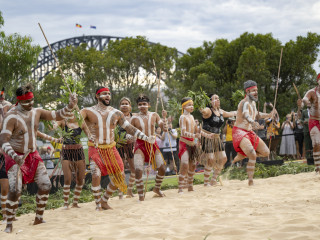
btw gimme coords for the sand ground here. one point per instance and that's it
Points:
(284, 207)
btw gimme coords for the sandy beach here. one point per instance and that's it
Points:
(284, 207)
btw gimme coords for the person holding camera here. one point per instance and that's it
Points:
(229, 149)
(288, 145)
(170, 147)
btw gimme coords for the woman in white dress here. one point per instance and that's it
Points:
(288, 144)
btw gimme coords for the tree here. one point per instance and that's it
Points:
(222, 67)
(17, 56)
(125, 66)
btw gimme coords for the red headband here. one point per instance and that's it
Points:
(318, 77)
(26, 96)
(103, 90)
(250, 88)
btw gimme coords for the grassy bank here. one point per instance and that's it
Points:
(262, 171)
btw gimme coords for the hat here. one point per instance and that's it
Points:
(48, 147)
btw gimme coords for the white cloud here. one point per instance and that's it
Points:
(180, 24)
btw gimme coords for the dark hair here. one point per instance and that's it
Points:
(210, 96)
(97, 91)
(142, 98)
(183, 100)
(24, 89)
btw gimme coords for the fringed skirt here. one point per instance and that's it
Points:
(126, 151)
(211, 149)
(109, 162)
(73, 152)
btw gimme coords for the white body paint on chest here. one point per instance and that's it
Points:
(100, 123)
(142, 122)
(187, 126)
(108, 126)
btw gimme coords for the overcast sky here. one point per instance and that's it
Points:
(175, 23)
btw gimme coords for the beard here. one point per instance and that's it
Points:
(105, 103)
(252, 98)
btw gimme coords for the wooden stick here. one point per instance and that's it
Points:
(174, 162)
(62, 75)
(275, 96)
(296, 90)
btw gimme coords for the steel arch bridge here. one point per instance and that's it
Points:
(46, 60)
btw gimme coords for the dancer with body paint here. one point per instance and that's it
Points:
(101, 120)
(126, 150)
(17, 138)
(312, 97)
(73, 160)
(245, 141)
(188, 153)
(215, 156)
(144, 151)
(4, 183)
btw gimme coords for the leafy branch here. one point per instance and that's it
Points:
(200, 99)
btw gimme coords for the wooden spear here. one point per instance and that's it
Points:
(275, 97)
(62, 75)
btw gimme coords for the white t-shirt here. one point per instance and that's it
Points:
(166, 143)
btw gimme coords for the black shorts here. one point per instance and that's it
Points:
(126, 151)
(167, 156)
(72, 152)
(3, 173)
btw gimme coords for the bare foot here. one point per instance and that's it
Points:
(105, 205)
(213, 182)
(75, 205)
(190, 189)
(141, 198)
(250, 183)
(66, 207)
(8, 228)
(158, 192)
(120, 197)
(98, 208)
(180, 191)
(38, 221)
(129, 193)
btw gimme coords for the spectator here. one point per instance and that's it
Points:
(298, 134)
(305, 114)
(159, 139)
(46, 155)
(229, 149)
(167, 154)
(288, 146)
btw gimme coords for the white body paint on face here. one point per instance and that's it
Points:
(26, 104)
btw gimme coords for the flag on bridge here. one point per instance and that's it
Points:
(78, 25)
(94, 27)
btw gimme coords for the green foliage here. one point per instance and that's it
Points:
(17, 55)
(222, 67)
(72, 85)
(119, 137)
(174, 108)
(200, 99)
(238, 95)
